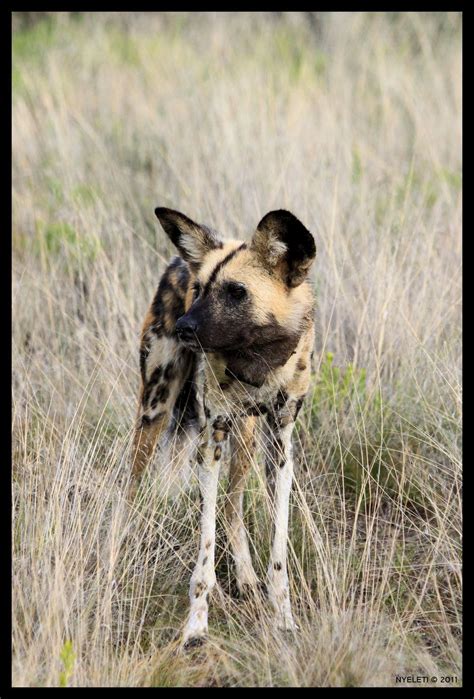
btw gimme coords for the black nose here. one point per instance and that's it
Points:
(185, 328)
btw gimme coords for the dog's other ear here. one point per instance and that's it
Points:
(192, 240)
(284, 246)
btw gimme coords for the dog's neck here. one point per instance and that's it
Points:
(254, 364)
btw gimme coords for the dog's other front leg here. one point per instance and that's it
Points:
(279, 470)
(203, 578)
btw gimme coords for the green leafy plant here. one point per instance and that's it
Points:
(59, 236)
(68, 658)
(338, 388)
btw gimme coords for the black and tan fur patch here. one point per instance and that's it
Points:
(250, 309)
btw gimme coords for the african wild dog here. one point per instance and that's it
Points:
(229, 338)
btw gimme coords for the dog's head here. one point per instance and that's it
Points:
(248, 297)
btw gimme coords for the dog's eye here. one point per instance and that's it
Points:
(197, 289)
(236, 290)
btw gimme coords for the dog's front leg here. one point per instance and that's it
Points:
(203, 578)
(280, 475)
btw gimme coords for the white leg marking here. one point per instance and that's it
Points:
(203, 578)
(277, 575)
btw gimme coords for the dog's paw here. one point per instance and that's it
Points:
(193, 642)
(287, 626)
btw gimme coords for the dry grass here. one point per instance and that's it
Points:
(352, 122)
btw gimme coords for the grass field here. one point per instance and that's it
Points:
(351, 121)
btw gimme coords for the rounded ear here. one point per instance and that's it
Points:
(193, 240)
(284, 246)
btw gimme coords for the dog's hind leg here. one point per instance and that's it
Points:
(242, 445)
(164, 371)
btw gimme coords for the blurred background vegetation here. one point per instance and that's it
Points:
(353, 122)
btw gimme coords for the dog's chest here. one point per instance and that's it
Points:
(224, 395)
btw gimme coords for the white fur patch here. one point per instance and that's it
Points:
(193, 245)
(277, 576)
(162, 351)
(203, 578)
(275, 250)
